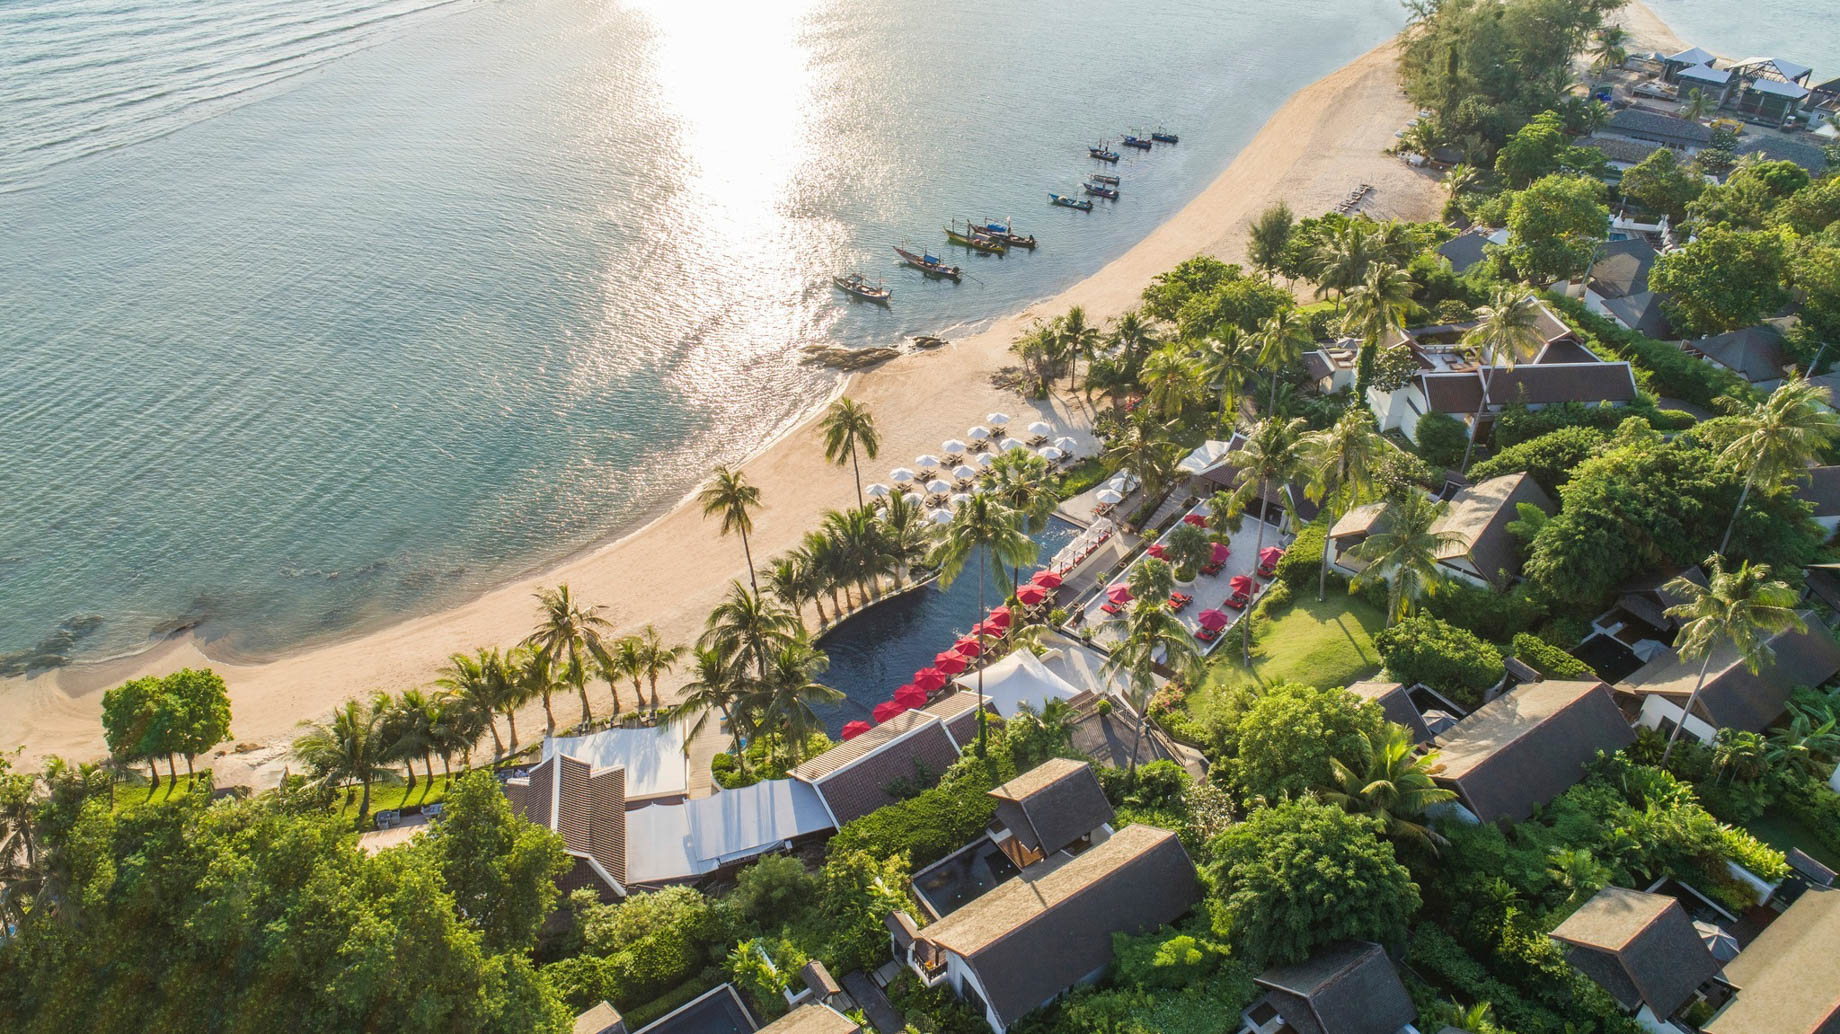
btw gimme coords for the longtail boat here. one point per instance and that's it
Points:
(1137, 142)
(975, 240)
(1069, 202)
(928, 264)
(1103, 153)
(1004, 233)
(858, 285)
(1110, 181)
(1162, 137)
(1101, 190)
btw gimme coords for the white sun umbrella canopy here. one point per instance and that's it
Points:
(877, 490)
(1109, 496)
(1066, 445)
(901, 476)
(964, 472)
(1011, 445)
(986, 460)
(1040, 428)
(997, 419)
(927, 462)
(960, 498)
(952, 447)
(1051, 454)
(914, 498)
(940, 516)
(978, 434)
(938, 487)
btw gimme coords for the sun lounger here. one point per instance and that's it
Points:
(1206, 635)
(1112, 609)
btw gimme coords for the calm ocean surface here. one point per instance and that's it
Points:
(317, 314)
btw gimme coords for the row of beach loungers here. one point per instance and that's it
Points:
(1354, 198)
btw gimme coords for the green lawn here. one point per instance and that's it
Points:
(391, 795)
(1318, 644)
(1782, 832)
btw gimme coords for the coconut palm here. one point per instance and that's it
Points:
(748, 627)
(848, 426)
(534, 677)
(1344, 456)
(1144, 448)
(1741, 609)
(1135, 338)
(732, 497)
(1697, 104)
(1392, 784)
(1075, 337)
(905, 536)
(622, 662)
(829, 568)
(655, 658)
(791, 690)
(788, 580)
(1804, 746)
(477, 683)
(1171, 380)
(1377, 308)
(570, 636)
(346, 748)
(1778, 437)
(1508, 327)
(1403, 550)
(456, 726)
(1461, 179)
(1151, 581)
(408, 733)
(1282, 340)
(1152, 635)
(856, 536)
(1272, 455)
(717, 686)
(1608, 49)
(1340, 262)
(1738, 754)
(1023, 482)
(983, 524)
(1227, 363)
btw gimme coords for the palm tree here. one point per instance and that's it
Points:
(1741, 609)
(408, 733)
(1393, 785)
(1145, 449)
(622, 662)
(848, 425)
(346, 748)
(478, 683)
(571, 637)
(1282, 339)
(455, 728)
(655, 658)
(1340, 262)
(1803, 746)
(1135, 339)
(1152, 632)
(983, 523)
(829, 567)
(1579, 872)
(789, 581)
(1227, 363)
(1697, 104)
(791, 689)
(1608, 49)
(1075, 338)
(1462, 178)
(1171, 381)
(1377, 308)
(1778, 437)
(717, 686)
(905, 536)
(1023, 482)
(730, 496)
(1272, 454)
(1344, 455)
(1738, 754)
(534, 676)
(746, 626)
(1509, 326)
(1404, 550)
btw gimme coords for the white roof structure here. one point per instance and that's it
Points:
(1206, 457)
(1082, 666)
(1019, 679)
(666, 842)
(658, 845)
(1775, 88)
(654, 758)
(1706, 74)
(1692, 56)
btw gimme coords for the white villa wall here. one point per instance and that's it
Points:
(1398, 409)
(1656, 708)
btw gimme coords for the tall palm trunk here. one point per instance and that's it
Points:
(580, 678)
(409, 767)
(654, 691)
(498, 745)
(747, 553)
(364, 803)
(549, 716)
(1476, 427)
(1732, 525)
(856, 470)
(1687, 712)
(428, 767)
(982, 750)
(1246, 636)
(817, 600)
(511, 720)
(153, 775)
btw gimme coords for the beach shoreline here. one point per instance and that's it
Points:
(1327, 138)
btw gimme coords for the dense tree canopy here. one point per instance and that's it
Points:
(1663, 183)
(1282, 739)
(1723, 279)
(1554, 225)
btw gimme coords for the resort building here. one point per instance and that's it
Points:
(1733, 697)
(657, 769)
(812, 1018)
(852, 778)
(1767, 89)
(1049, 928)
(674, 843)
(587, 805)
(1617, 288)
(1652, 127)
(1350, 988)
(1622, 153)
(1482, 551)
(1396, 704)
(1470, 247)
(1053, 807)
(1527, 746)
(1788, 979)
(1644, 950)
(1754, 353)
(1821, 490)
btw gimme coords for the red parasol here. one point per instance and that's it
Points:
(1158, 551)
(1046, 579)
(1000, 616)
(851, 730)
(969, 646)
(1220, 553)
(991, 629)
(1030, 595)
(1270, 555)
(930, 679)
(1119, 594)
(1195, 519)
(1239, 584)
(951, 662)
(1214, 619)
(910, 695)
(885, 710)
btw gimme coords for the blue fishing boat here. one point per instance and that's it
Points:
(1163, 137)
(1101, 190)
(1138, 142)
(928, 264)
(1103, 153)
(1070, 202)
(1005, 233)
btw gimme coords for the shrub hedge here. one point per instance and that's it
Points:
(1441, 440)
(1451, 660)
(1548, 659)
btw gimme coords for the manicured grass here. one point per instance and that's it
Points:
(385, 796)
(1318, 644)
(1783, 832)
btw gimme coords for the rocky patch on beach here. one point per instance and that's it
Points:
(848, 358)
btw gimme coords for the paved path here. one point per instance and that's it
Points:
(874, 1003)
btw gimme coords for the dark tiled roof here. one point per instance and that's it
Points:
(1822, 488)
(819, 979)
(1622, 268)
(1789, 977)
(1465, 249)
(1783, 149)
(1528, 745)
(959, 710)
(1538, 384)
(1733, 697)
(1641, 947)
(1395, 704)
(812, 1018)
(1648, 125)
(853, 777)
(1030, 939)
(1618, 149)
(1350, 988)
(1053, 805)
(1756, 353)
(1479, 516)
(601, 1019)
(1642, 313)
(586, 805)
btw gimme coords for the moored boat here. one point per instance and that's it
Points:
(858, 285)
(928, 264)
(1163, 136)
(1006, 233)
(1110, 181)
(1137, 142)
(1100, 190)
(1103, 153)
(975, 239)
(1070, 202)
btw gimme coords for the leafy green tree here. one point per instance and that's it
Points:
(500, 869)
(1779, 438)
(774, 891)
(1663, 183)
(730, 496)
(1554, 226)
(848, 427)
(128, 715)
(1392, 784)
(1723, 279)
(638, 948)
(1741, 609)
(1270, 235)
(1344, 457)
(1168, 292)
(1814, 273)
(1548, 458)
(1241, 302)
(1803, 747)
(987, 526)
(1376, 309)
(1507, 331)
(1452, 660)
(1286, 740)
(1296, 876)
(198, 705)
(1533, 150)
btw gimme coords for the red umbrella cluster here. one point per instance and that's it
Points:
(1046, 579)
(968, 646)
(1119, 594)
(1195, 519)
(851, 730)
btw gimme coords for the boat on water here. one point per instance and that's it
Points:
(1006, 233)
(1163, 136)
(1103, 153)
(1101, 190)
(975, 239)
(1070, 202)
(1110, 181)
(928, 264)
(859, 285)
(1138, 142)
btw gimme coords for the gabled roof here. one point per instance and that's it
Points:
(1821, 489)
(1642, 313)
(1733, 697)
(1479, 516)
(1617, 149)
(600, 1019)
(1622, 268)
(1651, 125)
(1017, 680)
(1395, 704)
(1706, 74)
(587, 805)
(1528, 745)
(1692, 56)
(1350, 988)
(1465, 249)
(1783, 149)
(736, 823)
(1053, 804)
(1460, 393)
(812, 1018)
(654, 758)
(1788, 979)
(1641, 947)
(1032, 938)
(853, 776)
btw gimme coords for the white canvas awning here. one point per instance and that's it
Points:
(658, 845)
(1019, 679)
(1206, 457)
(736, 824)
(653, 758)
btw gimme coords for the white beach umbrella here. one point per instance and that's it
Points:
(1011, 445)
(997, 419)
(1040, 428)
(914, 498)
(1109, 496)
(952, 447)
(964, 472)
(1051, 454)
(877, 490)
(960, 499)
(938, 487)
(901, 476)
(986, 460)
(927, 462)
(940, 516)
(1066, 445)
(978, 434)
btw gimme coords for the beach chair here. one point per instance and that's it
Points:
(1213, 569)
(1206, 635)
(1112, 608)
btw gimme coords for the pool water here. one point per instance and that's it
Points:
(875, 652)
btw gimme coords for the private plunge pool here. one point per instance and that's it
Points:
(874, 652)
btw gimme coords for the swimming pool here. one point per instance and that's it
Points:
(876, 651)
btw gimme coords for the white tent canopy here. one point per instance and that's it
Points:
(736, 823)
(1019, 679)
(653, 758)
(1206, 457)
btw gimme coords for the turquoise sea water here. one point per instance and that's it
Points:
(318, 314)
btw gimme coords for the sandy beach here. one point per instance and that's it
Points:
(1325, 140)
